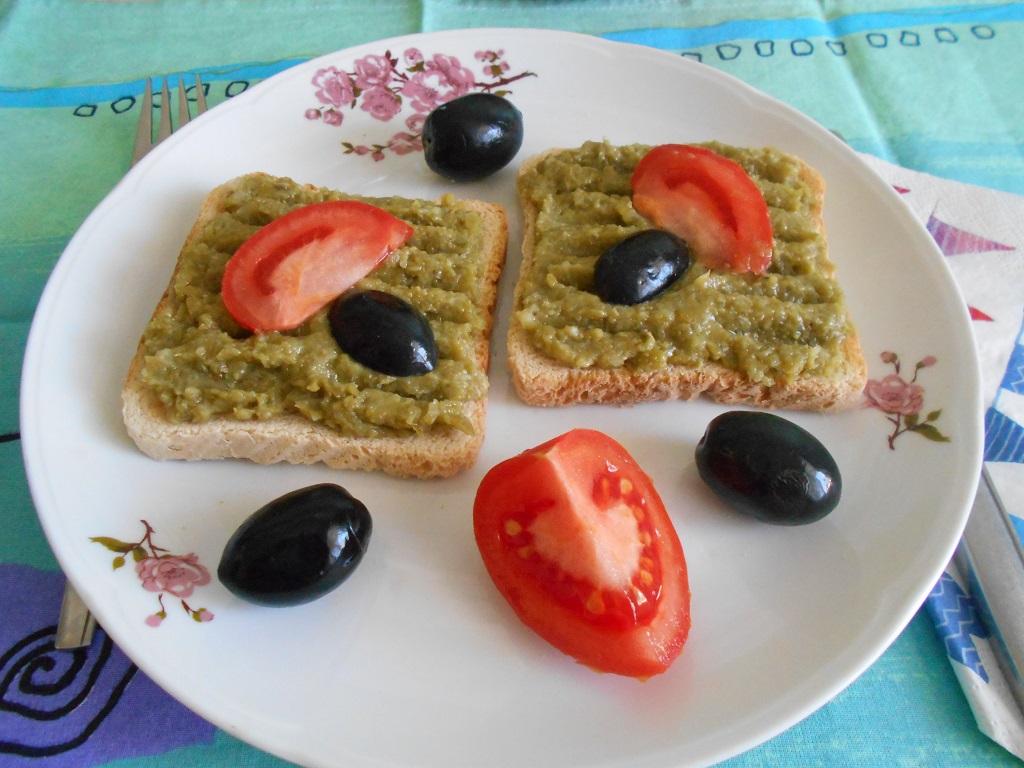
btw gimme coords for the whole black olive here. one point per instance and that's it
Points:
(769, 468)
(298, 547)
(473, 136)
(383, 332)
(640, 267)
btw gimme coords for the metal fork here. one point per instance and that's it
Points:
(76, 624)
(144, 133)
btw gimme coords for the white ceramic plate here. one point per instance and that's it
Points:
(416, 660)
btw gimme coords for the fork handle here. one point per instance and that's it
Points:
(76, 624)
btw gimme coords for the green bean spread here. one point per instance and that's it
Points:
(790, 322)
(201, 364)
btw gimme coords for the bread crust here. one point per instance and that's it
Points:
(441, 452)
(544, 381)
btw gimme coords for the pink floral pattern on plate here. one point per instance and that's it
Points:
(384, 85)
(161, 572)
(903, 401)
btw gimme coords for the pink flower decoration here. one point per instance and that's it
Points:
(415, 121)
(176, 574)
(442, 80)
(457, 76)
(903, 401)
(894, 395)
(381, 103)
(334, 87)
(160, 572)
(373, 71)
(404, 143)
(384, 86)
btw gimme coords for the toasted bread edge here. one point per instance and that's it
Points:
(543, 381)
(442, 452)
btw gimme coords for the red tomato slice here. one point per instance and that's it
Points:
(710, 202)
(578, 542)
(305, 259)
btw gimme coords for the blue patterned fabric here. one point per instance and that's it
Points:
(1004, 438)
(76, 708)
(958, 622)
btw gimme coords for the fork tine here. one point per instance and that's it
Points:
(165, 114)
(144, 132)
(183, 116)
(200, 97)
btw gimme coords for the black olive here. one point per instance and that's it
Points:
(640, 267)
(298, 547)
(473, 136)
(769, 468)
(383, 332)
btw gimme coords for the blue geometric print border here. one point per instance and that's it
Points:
(669, 38)
(678, 38)
(957, 623)
(1013, 379)
(1004, 438)
(101, 93)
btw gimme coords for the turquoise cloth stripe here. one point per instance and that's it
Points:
(76, 95)
(667, 38)
(680, 38)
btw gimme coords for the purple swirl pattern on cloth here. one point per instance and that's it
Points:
(75, 708)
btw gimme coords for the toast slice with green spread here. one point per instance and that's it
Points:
(783, 339)
(202, 387)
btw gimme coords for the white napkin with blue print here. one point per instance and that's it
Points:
(981, 233)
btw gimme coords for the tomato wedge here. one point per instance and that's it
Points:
(578, 542)
(303, 260)
(710, 202)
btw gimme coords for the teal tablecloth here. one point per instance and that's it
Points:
(931, 86)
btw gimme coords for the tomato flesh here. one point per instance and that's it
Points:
(302, 261)
(577, 540)
(710, 202)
